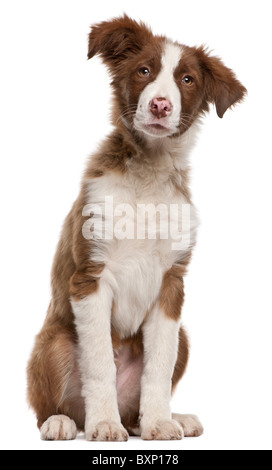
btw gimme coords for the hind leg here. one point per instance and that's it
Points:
(54, 385)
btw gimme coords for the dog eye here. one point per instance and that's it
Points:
(144, 72)
(187, 80)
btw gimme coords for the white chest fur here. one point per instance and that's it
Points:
(136, 259)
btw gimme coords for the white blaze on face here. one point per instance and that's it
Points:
(164, 86)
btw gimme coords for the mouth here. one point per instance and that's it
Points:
(157, 129)
(154, 127)
(157, 126)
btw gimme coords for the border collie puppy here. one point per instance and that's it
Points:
(112, 349)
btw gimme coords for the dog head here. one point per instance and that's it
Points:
(161, 86)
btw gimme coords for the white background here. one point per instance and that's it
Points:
(54, 109)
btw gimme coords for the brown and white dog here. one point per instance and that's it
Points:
(112, 349)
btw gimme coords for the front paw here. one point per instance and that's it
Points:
(106, 431)
(162, 429)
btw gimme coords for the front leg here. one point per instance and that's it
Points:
(98, 370)
(160, 337)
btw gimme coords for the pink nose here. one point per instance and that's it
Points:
(160, 107)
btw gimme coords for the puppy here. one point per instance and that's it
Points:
(112, 349)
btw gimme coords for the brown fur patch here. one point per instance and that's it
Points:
(172, 290)
(182, 359)
(113, 155)
(84, 283)
(135, 342)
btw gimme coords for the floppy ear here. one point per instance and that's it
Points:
(221, 85)
(115, 40)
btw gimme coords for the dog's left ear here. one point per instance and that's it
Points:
(115, 40)
(221, 85)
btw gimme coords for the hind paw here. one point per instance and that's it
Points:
(58, 428)
(190, 423)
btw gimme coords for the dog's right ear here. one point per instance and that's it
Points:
(115, 40)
